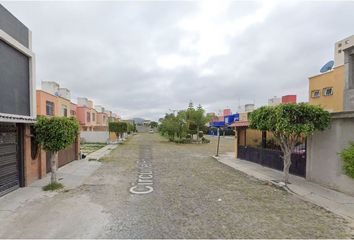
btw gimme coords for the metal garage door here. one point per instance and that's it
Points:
(9, 174)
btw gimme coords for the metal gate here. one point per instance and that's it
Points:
(65, 156)
(9, 163)
(273, 158)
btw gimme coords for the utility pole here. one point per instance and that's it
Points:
(217, 148)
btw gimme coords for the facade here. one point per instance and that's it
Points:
(288, 99)
(94, 120)
(226, 112)
(19, 163)
(274, 101)
(55, 101)
(327, 89)
(334, 89)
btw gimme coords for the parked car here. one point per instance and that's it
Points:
(300, 149)
(151, 131)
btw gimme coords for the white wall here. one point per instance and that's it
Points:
(94, 136)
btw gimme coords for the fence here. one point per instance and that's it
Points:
(268, 154)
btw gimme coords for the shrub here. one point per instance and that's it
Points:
(53, 186)
(347, 155)
(204, 140)
(200, 134)
(189, 136)
(182, 141)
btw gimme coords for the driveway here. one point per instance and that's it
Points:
(150, 188)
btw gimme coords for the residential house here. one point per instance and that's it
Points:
(19, 162)
(334, 89)
(55, 101)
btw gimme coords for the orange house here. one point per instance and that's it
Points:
(47, 104)
(51, 105)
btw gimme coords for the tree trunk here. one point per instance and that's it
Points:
(287, 163)
(197, 134)
(54, 167)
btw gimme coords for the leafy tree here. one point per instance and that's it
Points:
(119, 128)
(153, 124)
(55, 134)
(169, 125)
(186, 122)
(131, 127)
(196, 119)
(289, 123)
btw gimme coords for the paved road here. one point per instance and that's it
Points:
(188, 195)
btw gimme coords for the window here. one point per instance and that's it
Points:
(339, 44)
(64, 111)
(315, 94)
(72, 113)
(88, 117)
(49, 108)
(93, 117)
(328, 91)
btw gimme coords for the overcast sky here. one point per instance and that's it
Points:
(141, 59)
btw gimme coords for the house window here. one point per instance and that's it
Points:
(328, 91)
(93, 117)
(88, 117)
(315, 94)
(72, 113)
(49, 108)
(64, 111)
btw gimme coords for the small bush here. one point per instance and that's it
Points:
(53, 186)
(183, 141)
(189, 136)
(204, 140)
(347, 155)
(200, 134)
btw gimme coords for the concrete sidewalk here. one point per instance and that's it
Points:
(71, 176)
(100, 153)
(336, 202)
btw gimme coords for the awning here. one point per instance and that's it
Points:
(240, 124)
(4, 117)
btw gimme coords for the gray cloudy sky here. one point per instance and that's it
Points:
(144, 58)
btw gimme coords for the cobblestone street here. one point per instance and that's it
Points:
(193, 196)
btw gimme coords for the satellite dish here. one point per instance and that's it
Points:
(328, 66)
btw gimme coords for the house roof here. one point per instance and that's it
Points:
(4, 117)
(240, 124)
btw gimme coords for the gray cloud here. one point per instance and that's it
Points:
(143, 58)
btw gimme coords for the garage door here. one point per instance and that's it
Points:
(9, 174)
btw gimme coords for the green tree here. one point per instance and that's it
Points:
(119, 128)
(196, 119)
(169, 125)
(131, 127)
(54, 134)
(153, 124)
(289, 123)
